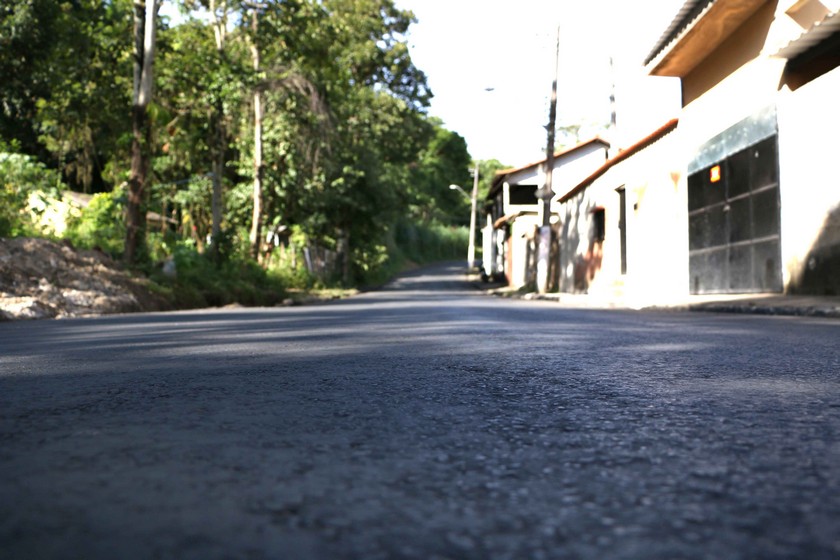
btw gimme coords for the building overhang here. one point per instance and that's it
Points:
(623, 155)
(699, 28)
(822, 37)
(510, 218)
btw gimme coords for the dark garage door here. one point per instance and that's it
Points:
(734, 225)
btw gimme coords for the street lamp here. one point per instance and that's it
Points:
(473, 202)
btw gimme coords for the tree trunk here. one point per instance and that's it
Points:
(256, 220)
(220, 12)
(218, 173)
(135, 217)
(144, 53)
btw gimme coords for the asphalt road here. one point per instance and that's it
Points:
(424, 420)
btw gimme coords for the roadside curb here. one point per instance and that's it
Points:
(774, 304)
(756, 309)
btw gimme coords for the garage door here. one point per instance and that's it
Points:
(734, 223)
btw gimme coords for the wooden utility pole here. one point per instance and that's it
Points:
(473, 204)
(547, 192)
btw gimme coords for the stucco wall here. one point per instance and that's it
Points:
(656, 231)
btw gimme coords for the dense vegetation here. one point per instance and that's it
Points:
(279, 143)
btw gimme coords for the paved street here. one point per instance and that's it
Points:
(424, 420)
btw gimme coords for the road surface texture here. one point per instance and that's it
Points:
(423, 420)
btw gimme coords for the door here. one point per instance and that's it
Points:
(734, 223)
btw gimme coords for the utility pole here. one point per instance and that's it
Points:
(473, 203)
(547, 193)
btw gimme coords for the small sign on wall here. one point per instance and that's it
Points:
(714, 174)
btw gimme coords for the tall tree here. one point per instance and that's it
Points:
(256, 218)
(145, 15)
(220, 10)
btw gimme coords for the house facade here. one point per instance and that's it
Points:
(758, 139)
(622, 230)
(513, 211)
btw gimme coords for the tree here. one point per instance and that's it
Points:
(29, 30)
(145, 16)
(444, 161)
(66, 84)
(270, 26)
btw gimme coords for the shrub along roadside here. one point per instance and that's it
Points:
(194, 280)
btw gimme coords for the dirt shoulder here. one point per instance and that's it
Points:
(42, 279)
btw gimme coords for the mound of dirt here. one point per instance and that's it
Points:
(42, 279)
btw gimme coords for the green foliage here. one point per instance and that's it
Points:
(66, 84)
(487, 170)
(422, 243)
(444, 161)
(21, 177)
(202, 282)
(101, 224)
(348, 150)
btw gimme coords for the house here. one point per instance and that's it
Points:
(622, 230)
(513, 211)
(758, 133)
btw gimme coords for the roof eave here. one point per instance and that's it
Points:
(651, 138)
(557, 154)
(694, 35)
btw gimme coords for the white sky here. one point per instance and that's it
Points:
(465, 46)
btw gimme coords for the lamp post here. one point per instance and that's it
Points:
(473, 203)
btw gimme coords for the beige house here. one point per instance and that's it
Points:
(512, 210)
(758, 140)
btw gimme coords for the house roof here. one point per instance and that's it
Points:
(698, 28)
(557, 154)
(624, 154)
(688, 14)
(502, 173)
(818, 33)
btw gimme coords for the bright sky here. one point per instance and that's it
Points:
(466, 46)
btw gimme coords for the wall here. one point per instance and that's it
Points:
(520, 230)
(656, 231)
(739, 79)
(809, 147)
(574, 168)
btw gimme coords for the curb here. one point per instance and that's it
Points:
(829, 310)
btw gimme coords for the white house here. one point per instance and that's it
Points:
(760, 87)
(623, 230)
(512, 210)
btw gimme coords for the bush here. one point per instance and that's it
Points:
(21, 177)
(201, 282)
(101, 225)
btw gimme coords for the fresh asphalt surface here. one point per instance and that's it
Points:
(423, 420)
